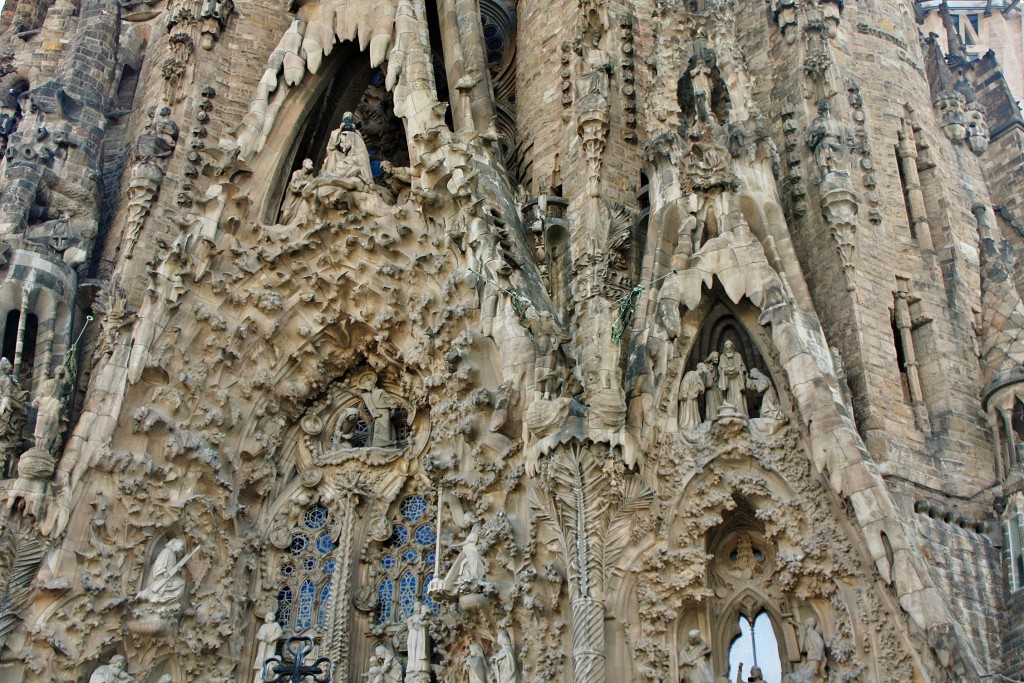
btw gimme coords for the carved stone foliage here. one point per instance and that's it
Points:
(752, 544)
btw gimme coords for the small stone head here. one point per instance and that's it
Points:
(270, 617)
(117, 662)
(694, 636)
(949, 105)
(977, 128)
(176, 544)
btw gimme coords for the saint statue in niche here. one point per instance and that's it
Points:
(165, 586)
(379, 405)
(695, 660)
(111, 672)
(732, 380)
(476, 665)
(503, 663)
(268, 635)
(469, 567)
(384, 667)
(418, 645)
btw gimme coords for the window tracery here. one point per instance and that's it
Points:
(403, 565)
(305, 572)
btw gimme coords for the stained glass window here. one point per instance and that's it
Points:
(406, 561)
(305, 571)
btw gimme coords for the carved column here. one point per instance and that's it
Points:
(901, 316)
(336, 637)
(588, 658)
(907, 150)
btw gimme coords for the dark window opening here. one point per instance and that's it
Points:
(901, 361)
(28, 350)
(11, 335)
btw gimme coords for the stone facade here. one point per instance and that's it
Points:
(669, 340)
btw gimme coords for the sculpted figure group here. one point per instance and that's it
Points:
(344, 184)
(725, 383)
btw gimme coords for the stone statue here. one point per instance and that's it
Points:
(476, 665)
(268, 635)
(49, 405)
(759, 382)
(690, 390)
(294, 210)
(153, 150)
(548, 334)
(732, 378)
(111, 672)
(384, 668)
(755, 675)
(504, 667)
(469, 567)
(812, 645)
(165, 586)
(713, 397)
(827, 137)
(345, 428)
(379, 404)
(418, 645)
(345, 180)
(695, 660)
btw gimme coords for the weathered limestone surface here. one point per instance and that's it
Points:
(508, 342)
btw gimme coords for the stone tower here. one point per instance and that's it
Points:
(470, 340)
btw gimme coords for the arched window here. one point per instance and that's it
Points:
(305, 572)
(756, 645)
(405, 562)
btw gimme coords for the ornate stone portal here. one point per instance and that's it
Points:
(661, 422)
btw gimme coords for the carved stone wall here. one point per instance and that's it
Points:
(537, 343)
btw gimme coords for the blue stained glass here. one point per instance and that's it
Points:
(304, 618)
(410, 555)
(315, 517)
(284, 606)
(388, 562)
(299, 544)
(425, 535)
(399, 536)
(413, 508)
(324, 543)
(385, 596)
(325, 593)
(329, 566)
(308, 563)
(427, 600)
(429, 558)
(287, 570)
(406, 594)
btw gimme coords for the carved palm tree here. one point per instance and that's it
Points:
(591, 519)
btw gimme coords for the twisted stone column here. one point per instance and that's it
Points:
(588, 658)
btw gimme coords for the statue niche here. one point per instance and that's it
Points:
(357, 419)
(726, 378)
